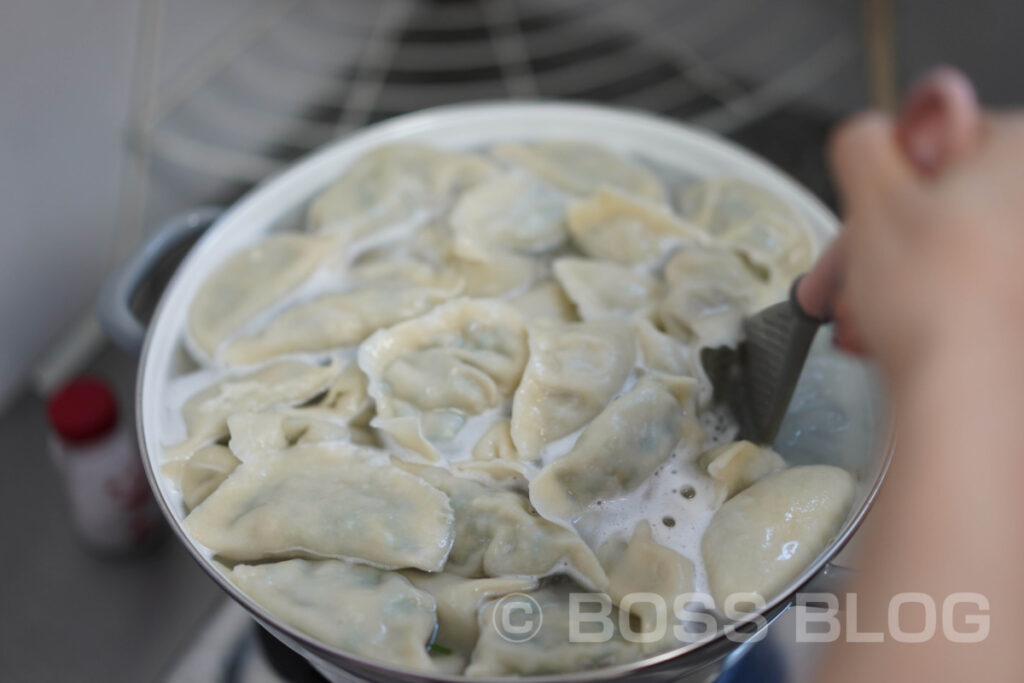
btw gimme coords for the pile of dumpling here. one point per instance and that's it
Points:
(407, 406)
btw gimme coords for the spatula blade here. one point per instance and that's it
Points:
(778, 340)
(756, 380)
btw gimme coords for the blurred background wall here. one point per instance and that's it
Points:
(117, 113)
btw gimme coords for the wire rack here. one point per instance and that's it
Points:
(291, 75)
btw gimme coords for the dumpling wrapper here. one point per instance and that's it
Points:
(753, 221)
(581, 168)
(494, 274)
(498, 534)
(602, 289)
(347, 398)
(620, 449)
(764, 536)
(342, 414)
(338, 319)
(204, 472)
(550, 651)
(640, 565)
(709, 293)
(250, 282)
(286, 382)
(483, 270)
(736, 466)
(509, 212)
(431, 373)
(253, 435)
(494, 457)
(388, 192)
(661, 352)
(573, 371)
(340, 502)
(459, 600)
(616, 227)
(545, 301)
(360, 610)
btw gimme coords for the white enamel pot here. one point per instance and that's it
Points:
(280, 202)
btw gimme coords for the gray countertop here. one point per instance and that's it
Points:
(68, 615)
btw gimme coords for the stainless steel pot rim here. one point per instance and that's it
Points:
(418, 123)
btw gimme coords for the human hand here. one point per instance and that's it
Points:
(934, 206)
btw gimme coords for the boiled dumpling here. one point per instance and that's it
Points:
(550, 650)
(282, 383)
(429, 245)
(620, 228)
(545, 301)
(388, 192)
(640, 565)
(602, 289)
(250, 282)
(498, 534)
(326, 502)
(204, 472)
(720, 204)
(483, 271)
(337, 320)
(496, 443)
(573, 371)
(661, 352)
(664, 354)
(360, 610)
(735, 466)
(710, 291)
(511, 211)
(487, 274)
(347, 398)
(494, 456)
(344, 413)
(254, 434)
(764, 536)
(459, 600)
(620, 449)
(582, 168)
(389, 270)
(753, 221)
(429, 374)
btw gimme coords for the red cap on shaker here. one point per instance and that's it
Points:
(82, 410)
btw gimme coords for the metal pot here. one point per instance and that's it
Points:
(279, 204)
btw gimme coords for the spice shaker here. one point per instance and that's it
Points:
(108, 496)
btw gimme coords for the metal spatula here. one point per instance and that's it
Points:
(756, 380)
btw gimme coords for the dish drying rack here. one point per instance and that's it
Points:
(286, 76)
